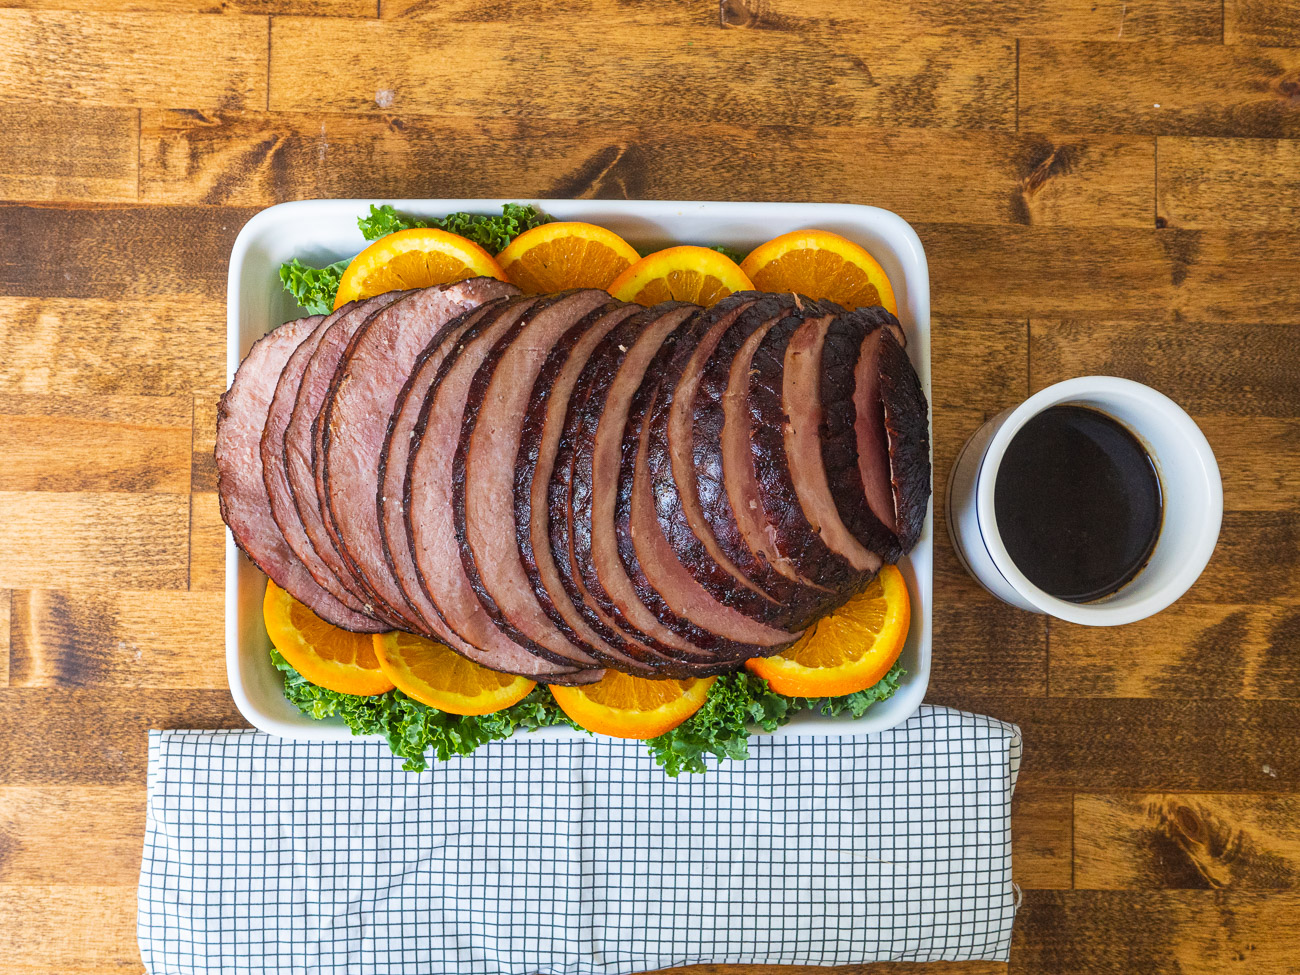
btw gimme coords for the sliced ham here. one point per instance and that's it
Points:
(393, 460)
(241, 490)
(430, 518)
(666, 585)
(483, 475)
(300, 443)
(354, 423)
(275, 473)
(908, 434)
(803, 400)
(789, 531)
(598, 432)
(853, 342)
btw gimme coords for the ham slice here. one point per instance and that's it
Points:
(483, 476)
(354, 423)
(241, 489)
(430, 515)
(301, 444)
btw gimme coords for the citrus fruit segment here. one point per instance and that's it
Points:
(416, 258)
(848, 651)
(327, 656)
(632, 707)
(436, 675)
(559, 256)
(683, 273)
(820, 264)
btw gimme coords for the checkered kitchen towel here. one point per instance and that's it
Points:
(577, 856)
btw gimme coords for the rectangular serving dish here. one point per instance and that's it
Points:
(320, 232)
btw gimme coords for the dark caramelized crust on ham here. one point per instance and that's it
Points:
(539, 448)
(850, 338)
(908, 429)
(483, 475)
(430, 515)
(786, 523)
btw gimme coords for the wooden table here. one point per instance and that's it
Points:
(1101, 187)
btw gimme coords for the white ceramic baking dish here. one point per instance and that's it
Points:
(323, 231)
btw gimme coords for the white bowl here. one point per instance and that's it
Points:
(323, 231)
(1189, 481)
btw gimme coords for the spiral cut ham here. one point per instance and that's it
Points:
(559, 485)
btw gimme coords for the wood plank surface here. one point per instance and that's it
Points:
(131, 59)
(1210, 842)
(161, 346)
(1267, 22)
(1160, 88)
(1105, 20)
(406, 66)
(139, 444)
(1249, 183)
(1100, 186)
(258, 159)
(68, 152)
(117, 639)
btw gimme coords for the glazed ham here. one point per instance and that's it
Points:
(557, 485)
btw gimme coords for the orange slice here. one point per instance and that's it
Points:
(558, 256)
(848, 651)
(327, 656)
(820, 264)
(417, 258)
(438, 676)
(632, 707)
(680, 274)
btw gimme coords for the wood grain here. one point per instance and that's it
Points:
(1245, 371)
(1107, 20)
(38, 939)
(207, 536)
(316, 8)
(160, 346)
(68, 152)
(203, 462)
(259, 159)
(1266, 22)
(600, 15)
(1250, 183)
(1159, 88)
(121, 541)
(6, 599)
(404, 66)
(96, 736)
(988, 646)
(1194, 650)
(117, 639)
(87, 836)
(176, 253)
(1120, 274)
(1160, 933)
(1042, 839)
(1152, 745)
(1164, 841)
(133, 59)
(107, 443)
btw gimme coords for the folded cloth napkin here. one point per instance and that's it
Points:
(578, 856)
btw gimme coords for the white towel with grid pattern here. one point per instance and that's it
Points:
(578, 857)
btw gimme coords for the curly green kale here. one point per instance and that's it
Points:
(490, 233)
(412, 728)
(313, 288)
(731, 252)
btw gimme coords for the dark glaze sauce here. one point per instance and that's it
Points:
(1078, 503)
